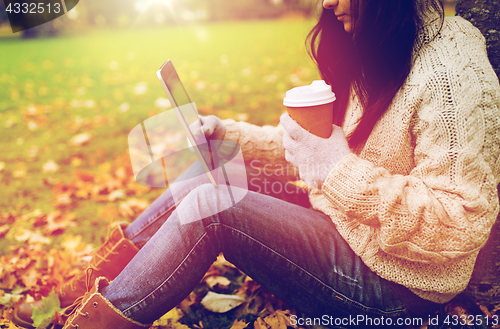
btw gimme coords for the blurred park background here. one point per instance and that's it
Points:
(72, 89)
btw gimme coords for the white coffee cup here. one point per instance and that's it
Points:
(312, 107)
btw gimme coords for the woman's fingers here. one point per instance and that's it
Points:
(212, 127)
(295, 131)
(290, 146)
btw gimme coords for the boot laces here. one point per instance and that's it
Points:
(105, 249)
(77, 304)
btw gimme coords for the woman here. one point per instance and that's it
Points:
(402, 205)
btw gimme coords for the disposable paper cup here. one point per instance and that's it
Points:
(312, 107)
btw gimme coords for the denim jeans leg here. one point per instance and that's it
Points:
(294, 252)
(150, 221)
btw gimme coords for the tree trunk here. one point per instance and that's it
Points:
(484, 286)
(485, 15)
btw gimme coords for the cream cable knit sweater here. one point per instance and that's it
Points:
(417, 202)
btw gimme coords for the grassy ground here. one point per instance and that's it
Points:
(67, 105)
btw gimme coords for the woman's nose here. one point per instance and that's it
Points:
(330, 4)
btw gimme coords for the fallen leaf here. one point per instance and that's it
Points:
(50, 305)
(115, 195)
(278, 320)
(260, 324)
(221, 262)
(56, 223)
(22, 235)
(222, 281)
(239, 324)
(132, 207)
(30, 277)
(4, 229)
(220, 303)
(50, 167)
(80, 139)
(62, 200)
(168, 318)
(6, 324)
(9, 299)
(8, 280)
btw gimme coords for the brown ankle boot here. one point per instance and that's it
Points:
(108, 261)
(96, 312)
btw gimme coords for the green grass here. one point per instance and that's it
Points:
(53, 89)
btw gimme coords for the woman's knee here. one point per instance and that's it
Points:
(204, 201)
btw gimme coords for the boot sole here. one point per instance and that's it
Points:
(21, 322)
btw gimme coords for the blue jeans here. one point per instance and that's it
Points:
(294, 252)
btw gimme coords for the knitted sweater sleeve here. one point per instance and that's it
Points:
(262, 149)
(444, 208)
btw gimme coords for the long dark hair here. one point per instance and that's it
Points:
(374, 60)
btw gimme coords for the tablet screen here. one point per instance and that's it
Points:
(187, 114)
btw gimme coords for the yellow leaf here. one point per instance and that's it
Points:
(260, 324)
(239, 324)
(4, 323)
(168, 318)
(71, 242)
(277, 320)
(8, 280)
(30, 277)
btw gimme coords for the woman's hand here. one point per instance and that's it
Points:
(215, 130)
(314, 156)
(212, 127)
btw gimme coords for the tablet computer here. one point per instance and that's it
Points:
(187, 115)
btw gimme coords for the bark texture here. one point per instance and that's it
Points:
(485, 15)
(484, 286)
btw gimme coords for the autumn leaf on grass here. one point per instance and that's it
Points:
(4, 323)
(50, 167)
(132, 207)
(80, 139)
(278, 320)
(4, 229)
(170, 320)
(220, 303)
(50, 305)
(30, 277)
(57, 222)
(221, 281)
(7, 300)
(260, 324)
